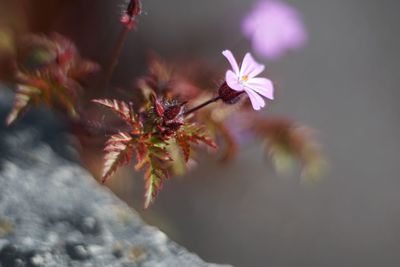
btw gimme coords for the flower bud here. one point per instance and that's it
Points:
(228, 95)
(134, 9)
(172, 111)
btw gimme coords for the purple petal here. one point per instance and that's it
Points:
(232, 80)
(262, 86)
(274, 28)
(229, 56)
(256, 101)
(250, 67)
(256, 71)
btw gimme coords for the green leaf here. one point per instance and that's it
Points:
(154, 178)
(153, 156)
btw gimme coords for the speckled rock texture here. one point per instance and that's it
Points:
(53, 213)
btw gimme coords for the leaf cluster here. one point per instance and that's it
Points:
(150, 135)
(48, 72)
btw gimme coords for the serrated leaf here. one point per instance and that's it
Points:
(154, 178)
(160, 153)
(54, 72)
(23, 96)
(192, 134)
(68, 99)
(159, 108)
(286, 140)
(184, 144)
(83, 69)
(119, 149)
(121, 108)
(152, 155)
(141, 154)
(178, 165)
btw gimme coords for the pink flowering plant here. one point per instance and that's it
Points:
(244, 79)
(171, 113)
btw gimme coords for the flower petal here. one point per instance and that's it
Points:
(232, 81)
(229, 56)
(274, 28)
(256, 101)
(262, 86)
(250, 67)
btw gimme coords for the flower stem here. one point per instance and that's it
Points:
(115, 56)
(215, 99)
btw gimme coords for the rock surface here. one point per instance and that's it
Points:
(53, 213)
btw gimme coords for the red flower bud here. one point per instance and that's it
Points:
(159, 108)
(229, 95)
(171, 112)
(134, 9)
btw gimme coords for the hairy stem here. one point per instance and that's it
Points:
(215, 99)
(115, 56)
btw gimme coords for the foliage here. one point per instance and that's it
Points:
(48, 72)
(286, 141)
(167, 116)
(151, 133)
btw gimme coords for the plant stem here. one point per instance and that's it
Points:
(115, 56)
(215, 99)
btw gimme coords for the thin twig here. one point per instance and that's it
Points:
(115, 56)
(215, 99)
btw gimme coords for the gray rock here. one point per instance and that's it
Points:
(53, 213)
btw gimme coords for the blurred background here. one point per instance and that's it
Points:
(343, 83)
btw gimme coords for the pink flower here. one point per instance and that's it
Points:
(244, 79)
(274, 28)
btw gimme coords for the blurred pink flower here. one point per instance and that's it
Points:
(245, 80)
(274, 27)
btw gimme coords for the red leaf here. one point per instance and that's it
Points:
(53, 76)
(119, 150)
(159, 107)
(172, 112)
(192, 133)
(23, 96)
(154, 178)
(184, 145)
(121, 108)
(152, 153)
